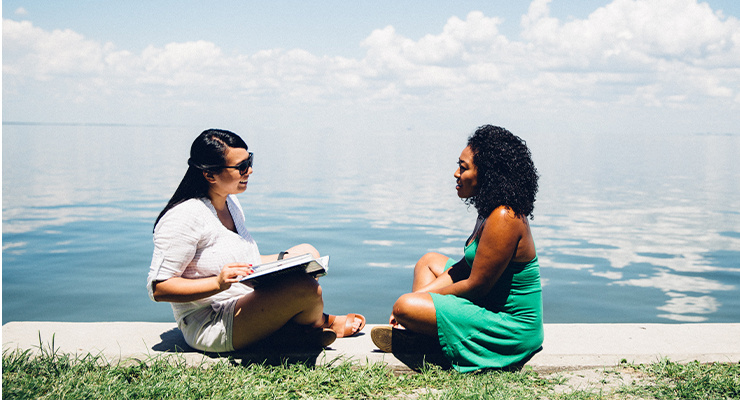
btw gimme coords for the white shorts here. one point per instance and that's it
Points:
(210, 328)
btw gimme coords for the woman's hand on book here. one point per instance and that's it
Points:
(232, 273)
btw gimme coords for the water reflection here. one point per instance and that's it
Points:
(680, 306)
(663, 223)
(628, 229)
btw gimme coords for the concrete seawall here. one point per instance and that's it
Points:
(566, 346)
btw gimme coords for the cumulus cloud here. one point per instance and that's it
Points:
(35, 53)
(632, 33)
(663, 53)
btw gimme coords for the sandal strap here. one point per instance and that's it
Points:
(348, 330)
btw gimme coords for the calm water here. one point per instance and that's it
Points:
(628, 229)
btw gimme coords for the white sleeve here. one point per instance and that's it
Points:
(176, 238)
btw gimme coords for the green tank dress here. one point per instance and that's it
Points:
(500, 330)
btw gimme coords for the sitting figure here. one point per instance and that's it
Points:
(202, 249)
(484, 311)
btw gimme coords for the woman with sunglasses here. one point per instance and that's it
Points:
(485, 310)
(202, 248)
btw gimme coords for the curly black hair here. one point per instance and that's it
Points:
(506, 174)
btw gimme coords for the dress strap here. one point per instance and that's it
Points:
(476, 231)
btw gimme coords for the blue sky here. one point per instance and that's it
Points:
(598, 67)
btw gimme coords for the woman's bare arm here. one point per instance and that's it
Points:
(497, 246)
(181, 290)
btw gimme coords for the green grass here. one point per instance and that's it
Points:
(51, 375)
(690, 381)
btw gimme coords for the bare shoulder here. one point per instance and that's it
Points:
(505, 228)
(504, 224)
(504, 216)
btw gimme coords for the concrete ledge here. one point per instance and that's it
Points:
(566, 347)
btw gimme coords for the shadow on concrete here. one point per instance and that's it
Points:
(173, 342)
(290, 345)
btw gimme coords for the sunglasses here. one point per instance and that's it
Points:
(243, 166)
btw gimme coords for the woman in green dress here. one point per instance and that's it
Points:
(485, 309)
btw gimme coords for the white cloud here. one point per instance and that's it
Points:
(35, 53)
(661, 53)
(632, 33)
(21, 11)
(657, 54)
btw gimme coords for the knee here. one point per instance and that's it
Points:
(304, 248)
(407, 306)
(427, 260)
(303, 286)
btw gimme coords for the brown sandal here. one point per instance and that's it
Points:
(348, 330)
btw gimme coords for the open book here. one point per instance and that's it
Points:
(267, 273)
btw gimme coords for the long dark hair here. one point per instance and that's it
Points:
(207, 153)
(506, 173)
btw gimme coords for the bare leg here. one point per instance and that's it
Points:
(428, 273)
(429, 267)
(416, 312)
(264, 311)
(261, 313)
(294, 251)
(302, 249)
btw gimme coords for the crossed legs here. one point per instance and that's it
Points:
(262, 312)
(415, 311)
(296, 299)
